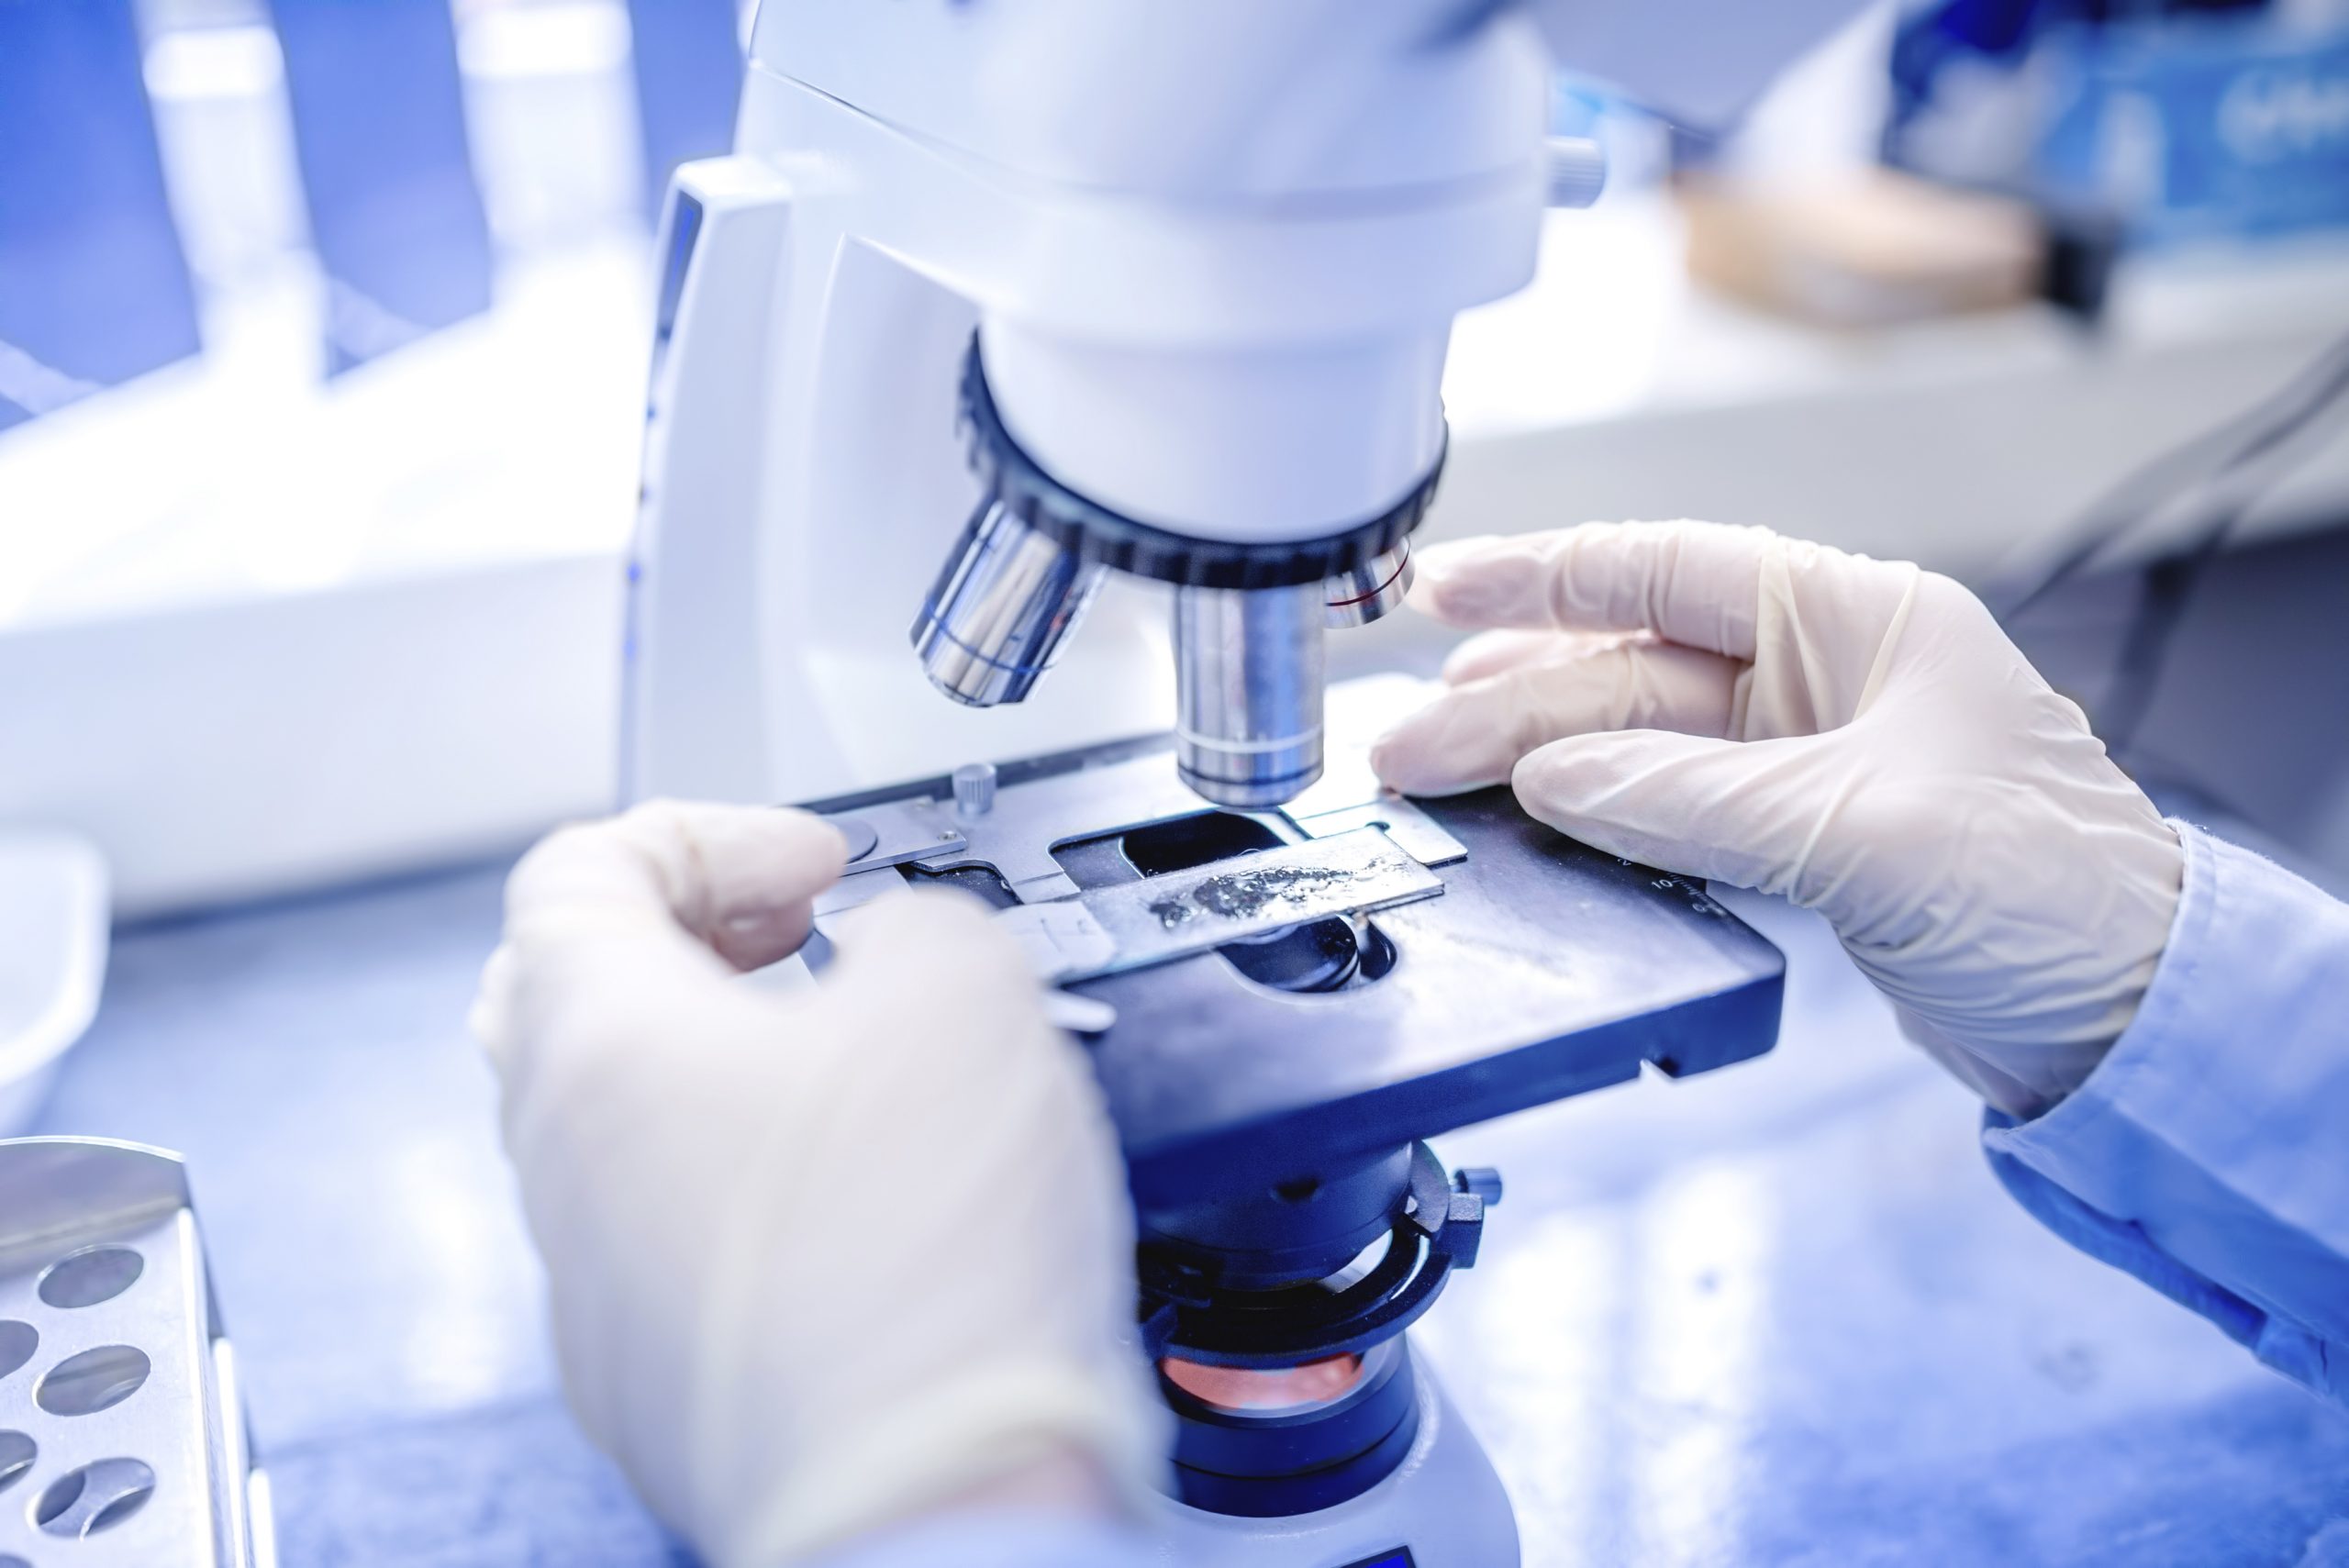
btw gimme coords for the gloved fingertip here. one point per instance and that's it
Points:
(755, 938)
(1542, 780)
(835, 836)
(489, 1017)
(1492, 652)
(1454, 598)
(1436, 560)
(1688, 804)
(1422, 596)
(754, 864)
(1450, 582)
(1405, 764)
(1575, 783)
(1458, 742)
(1388, 762)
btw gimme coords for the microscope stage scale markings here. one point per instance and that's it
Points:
(1135, 925)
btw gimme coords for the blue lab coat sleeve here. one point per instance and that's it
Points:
(981, 1540)
(2209, 1153)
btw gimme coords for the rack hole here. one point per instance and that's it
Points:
(95, 1498)
(18, 1343)
(90, 1276)
(94, 1381)
(18, 1452)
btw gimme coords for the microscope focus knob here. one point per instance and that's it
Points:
(1482, 1181)
(974, 789)
(1576, 170)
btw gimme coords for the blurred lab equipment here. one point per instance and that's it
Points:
(378, 129)
(2019, 149)
(686, 57)
(241, 663)
(122, 1420)
(250, 596)
(2186, 120)
(94, 288)
(378, 126)
(53, 940)
(1865, 248)
(2201, 491)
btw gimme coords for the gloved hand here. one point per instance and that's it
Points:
(819, 1261)
(1858, 734)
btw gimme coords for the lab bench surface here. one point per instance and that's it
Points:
(1779, 1314)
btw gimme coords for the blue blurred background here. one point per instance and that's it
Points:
(323, 327)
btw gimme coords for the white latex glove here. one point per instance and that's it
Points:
(820, 1260)
(1858, 734)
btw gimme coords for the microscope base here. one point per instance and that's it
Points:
(1443, 1504)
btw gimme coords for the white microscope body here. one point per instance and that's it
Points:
(1212, 250)
(1200, 258)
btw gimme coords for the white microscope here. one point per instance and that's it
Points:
(1004, 306)
(1010, 314)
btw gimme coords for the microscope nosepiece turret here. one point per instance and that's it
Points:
(1250, 617)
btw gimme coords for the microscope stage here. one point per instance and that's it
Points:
(1542, 969)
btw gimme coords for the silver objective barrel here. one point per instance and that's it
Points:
(996, 617)
(1248, 679)
(1370, 590)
